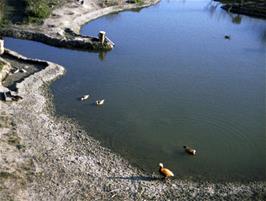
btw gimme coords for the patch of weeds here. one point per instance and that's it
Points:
(5, 175)
(138, 1)
(1, 65)
(20, 147)
(135, 1)
(14, 140)
(107, 3)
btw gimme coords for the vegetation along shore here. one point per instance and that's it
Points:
(254, 8)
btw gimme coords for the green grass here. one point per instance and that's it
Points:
(37, 10)
(26, 11)
(1, 11)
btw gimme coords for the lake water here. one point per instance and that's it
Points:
(171, 80)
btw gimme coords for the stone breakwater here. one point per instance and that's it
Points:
(45, 157)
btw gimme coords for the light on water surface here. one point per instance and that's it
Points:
(171, 80)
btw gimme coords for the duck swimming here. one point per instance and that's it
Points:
(85, 97)
(228, 37)
(99, 102)
(190, 150)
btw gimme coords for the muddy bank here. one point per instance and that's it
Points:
(45, 157)
(61, 29)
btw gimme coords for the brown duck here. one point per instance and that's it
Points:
(165, 172)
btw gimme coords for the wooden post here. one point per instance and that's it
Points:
(2, 48)
(101, 36)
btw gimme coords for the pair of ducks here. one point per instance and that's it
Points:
(97, 102)
(168, 173)
(22, 70)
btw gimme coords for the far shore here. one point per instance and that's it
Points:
(250, 8)
(46, 157)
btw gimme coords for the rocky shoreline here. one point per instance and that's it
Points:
(46, 157)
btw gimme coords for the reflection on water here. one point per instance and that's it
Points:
(236, 19)
(171, 80)
(102, 55)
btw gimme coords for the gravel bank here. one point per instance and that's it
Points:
(44, 157)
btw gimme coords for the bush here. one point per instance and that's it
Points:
(37, 9)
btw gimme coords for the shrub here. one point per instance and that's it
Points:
(37, 10)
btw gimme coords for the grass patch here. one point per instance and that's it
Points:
(5, 175)
(138, 1)
(20, 147)
(27, 11)
(37, 10)
(2, 6)
(14, 140)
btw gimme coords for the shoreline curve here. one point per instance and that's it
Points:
(58, 160)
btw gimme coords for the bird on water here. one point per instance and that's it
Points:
(228, 37)
(99, 102)
(165, 172)
(190, 150)
(85, 97)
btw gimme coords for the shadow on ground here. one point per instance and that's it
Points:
(138, 178)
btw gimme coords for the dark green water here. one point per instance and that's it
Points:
(171, 80)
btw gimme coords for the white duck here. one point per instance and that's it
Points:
(22, 70)
(16, 71)
(85, 97)
(100, 102)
